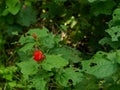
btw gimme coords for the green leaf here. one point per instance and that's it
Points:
(45, 74)
(27, 16)
(54, 10)
(69, 74)
(114, 87)
(5, 12)
(12, 84)
(118, 56)
(39, 83)
(102, 7)
(58, 1)
(13, 6)
(2, 41)
(105, 40)
(88, 83)
(108, 41)
(12, 3)
(8, 72)
(91, 1)
(27, 47)
(99, 67)
(64, 28)
(13, 28)
(114, 32)
(26, 39)
(48, 41)
(40, 79)
(14, 10)
(116, 14)
(54, 61)
(28, 67)
(68, 53)
(39, 32)
(44, 15)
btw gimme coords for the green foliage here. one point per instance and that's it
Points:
(26, 16)
(70, 54)
(99, 66)
(8, 72)
(39, 32)
(69, 74)
(116, 14)
(39, 83)
(102, 7)
(79, 41)
(113, 31)
(27, 47)
(53, 61)
(91, 1)
(32, 67)
(1, 42)
(12, 6)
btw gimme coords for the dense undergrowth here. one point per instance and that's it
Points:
(59, 44)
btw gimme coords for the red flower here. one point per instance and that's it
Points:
(38, 55)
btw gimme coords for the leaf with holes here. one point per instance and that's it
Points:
(114, 32)
(69, 74)
(116, 14)
(99, 67)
